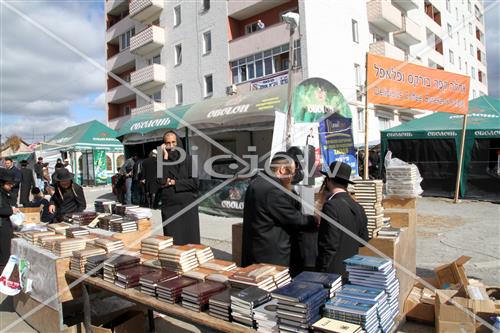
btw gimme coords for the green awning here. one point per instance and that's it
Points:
(89, 135)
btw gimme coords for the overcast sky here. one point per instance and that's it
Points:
(46, 87)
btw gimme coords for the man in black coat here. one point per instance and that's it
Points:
(27, 183)
(334, 245)
(39, 173)
(271, 216)
(149, 178)
(68, 197)
(9, 165)
(7, 179)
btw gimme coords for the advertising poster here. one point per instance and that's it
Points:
(101, 177)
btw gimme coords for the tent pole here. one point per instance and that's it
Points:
(460, 160)
(365, 167)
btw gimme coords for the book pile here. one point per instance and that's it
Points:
(47, 242)
(356, 311)
(332, 282)
(95, 265)
(153, 245)
(104, 206)
(244, 302)
(299, 305)
(328, 325)
(124, 225)
(375, 272)
(403, 180)
(118, 263)
(138, 213)
(258, 275)
(32, 236)
(79, 259)
(76, 231)
(170, 291)
(389, 232)
(149, 281)
(266, 318)
(219, 265)
(105, 221)
(65, 247)
(220, 276)
(83, 218)
(122, 209)
(199, 273)
(178, 258)
(130, 277)
(368, 193)
(196, 296)
(59, 228)
(203, 253)
(110, 244)
(281, 276)
(219, 305)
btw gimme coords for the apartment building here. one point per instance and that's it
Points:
(182, 52)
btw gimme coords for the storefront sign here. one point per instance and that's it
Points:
(397, 83)
(150, 124)
(270, 82)
(100, 167)
(229, 110)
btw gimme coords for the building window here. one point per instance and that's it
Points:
(456, 13)
(469, 6)
(177, 15)
(357, 75)
(471, 50)
(251, 27)
(207, 42)
(452, 57)
(361, 119)
(178, 54)
(460, 63)
(448, 7)
(155, 60)
(156, 96)
(263, 63)
(205, 4)
(458, 38)
(384, 123)
(465, 44)
(126, 110)
(355, 35)
(179, 98)
(209, 85)
(125, 39)
(450, 34)
(472, 72)
(473, 93)
(466, 68)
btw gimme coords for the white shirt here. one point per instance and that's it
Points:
(69, 168)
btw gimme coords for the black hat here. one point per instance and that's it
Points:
(24, 163)
(63, 174)
(340, 172)
(7, 175)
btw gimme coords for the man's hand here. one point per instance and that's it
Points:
(52, 209)
(15, 210)
(165, 151)
(317, 218)
(170, 182)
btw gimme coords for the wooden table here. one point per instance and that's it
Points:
(151, 303)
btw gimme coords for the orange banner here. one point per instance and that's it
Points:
(396, 83)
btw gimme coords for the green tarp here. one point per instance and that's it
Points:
(483, 123)
(89, 135)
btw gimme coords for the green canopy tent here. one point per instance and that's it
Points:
(433, 144)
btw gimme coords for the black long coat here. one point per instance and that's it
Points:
(27, 183)
(185, 229)
(69, 201)
(149, 174)
(6, 232)
(270, 218)
(334, 246)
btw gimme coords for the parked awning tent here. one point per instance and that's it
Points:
(433, 144)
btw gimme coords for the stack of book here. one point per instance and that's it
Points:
(375, 272)
(110, 244)
(79, 259)
(258, 275)
(203, 253)
(281, 276)
(244, 302)
(123, 225)
(219, 265)
(32, 236)
(83, 218)
(170, 291)
(76, 231)
(105, 221)
(104, 206)
(130, 277)
(153, 245)
(118, 263)
(389, 232)
(95, 265)
(332, 282)
(328, 325)
(178, 258)
(355, 311)
(122, 209)
(299, 305)
(199, 273)
(47, 242)
(220, 276)
(65, 247)
(219, 305)
(138, 213)
(368, 193)
(266, 317)
(196, 296)
(59, 228)
(403, 181)
(149, 282)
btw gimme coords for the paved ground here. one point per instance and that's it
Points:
(445, 231)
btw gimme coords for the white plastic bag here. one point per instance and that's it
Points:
(17, 219)
(402, 179)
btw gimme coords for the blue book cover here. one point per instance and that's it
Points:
(361, 292)
(358, 306)
(375, 263)
(326, 279)
(297, 291)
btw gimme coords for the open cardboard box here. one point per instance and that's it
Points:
(129, 322)
(452, 275)
(419, 306)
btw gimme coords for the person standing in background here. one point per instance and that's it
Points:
(39, 173)
(67, 165)
(127, 170)
(27, 183)
(148, 178)
(9, 165)
(7, 181)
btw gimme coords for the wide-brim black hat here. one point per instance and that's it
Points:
(63, 174)
(340, 172)
(7, 175)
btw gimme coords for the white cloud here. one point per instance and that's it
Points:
(39, 125)
(99, 102)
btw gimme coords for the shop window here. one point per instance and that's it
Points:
(109, 164)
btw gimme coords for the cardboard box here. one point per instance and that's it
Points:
(129, 322)
(31, 214)
(452, 275)
(417, 310)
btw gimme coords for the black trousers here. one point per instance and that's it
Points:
(6, 234)
(13, 196)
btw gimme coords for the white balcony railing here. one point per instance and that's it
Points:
(149, 108)
(148, 77)
(410, 33)
(147, 40)
(142, 10)
(407, 4)
(384, 15)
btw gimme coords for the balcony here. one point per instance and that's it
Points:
(406, 4)
(384, 15)
(121, 61)
(119, 94)
(148, 40)
(272, 36)
(243, 9)
(148, 77)
(435, 57)
(386, 49)
(410, 33)
(115, 6)
(149, 108)
(141, 10)
(119, 28)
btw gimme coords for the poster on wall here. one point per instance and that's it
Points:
(336, 142)
(101, 177)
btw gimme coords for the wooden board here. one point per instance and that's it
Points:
(404, 203)
(237, 238)
(65, 293)
(169, 309)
